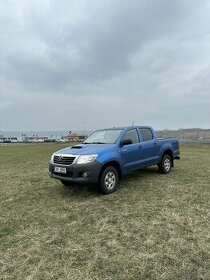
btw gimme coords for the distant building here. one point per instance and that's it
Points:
(74, 137)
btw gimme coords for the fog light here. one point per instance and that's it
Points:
(84, 175)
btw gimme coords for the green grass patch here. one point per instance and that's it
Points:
(153, 227)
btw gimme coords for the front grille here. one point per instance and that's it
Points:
(63, 160)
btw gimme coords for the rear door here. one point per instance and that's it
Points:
(149, 147)
(130, 153)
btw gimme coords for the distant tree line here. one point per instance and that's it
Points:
(192, 134)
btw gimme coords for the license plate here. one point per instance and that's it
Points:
(60, 170)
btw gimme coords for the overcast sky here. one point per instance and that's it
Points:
(104, 62)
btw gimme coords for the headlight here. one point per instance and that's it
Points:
(51, 160)
(86, 159)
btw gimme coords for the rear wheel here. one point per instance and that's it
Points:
(108, 180)
(165, 164)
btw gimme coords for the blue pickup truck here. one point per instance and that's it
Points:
(107, 154)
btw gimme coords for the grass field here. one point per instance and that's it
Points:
(154, 227)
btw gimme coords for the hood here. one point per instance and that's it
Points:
(86, 149)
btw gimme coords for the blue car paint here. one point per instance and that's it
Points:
(129, 157)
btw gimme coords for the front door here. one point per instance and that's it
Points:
(130, 153)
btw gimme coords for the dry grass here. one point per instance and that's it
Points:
(154, 227)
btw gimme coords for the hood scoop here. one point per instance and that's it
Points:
(76, 147)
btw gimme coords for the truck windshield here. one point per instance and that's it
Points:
(108, 136)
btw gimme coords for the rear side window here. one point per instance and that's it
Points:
(132, 135)
(146, 134)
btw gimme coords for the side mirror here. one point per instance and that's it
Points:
(126, 142)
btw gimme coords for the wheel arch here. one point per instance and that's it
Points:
(113, 163)
(170, 153)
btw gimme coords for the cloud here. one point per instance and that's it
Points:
(121, 55)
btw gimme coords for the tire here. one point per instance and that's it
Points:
(108, 180)
(66, 183)
(165, 165)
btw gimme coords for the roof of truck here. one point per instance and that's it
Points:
(127, 127)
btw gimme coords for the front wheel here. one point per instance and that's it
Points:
(108, 180)
(165, 165)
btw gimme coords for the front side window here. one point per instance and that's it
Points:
(107, 136)
(146, 134)
(131, 135)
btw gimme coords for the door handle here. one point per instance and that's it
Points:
(155, 144)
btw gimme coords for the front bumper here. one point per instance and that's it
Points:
(75, 172)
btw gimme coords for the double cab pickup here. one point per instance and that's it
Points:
(107, 154)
